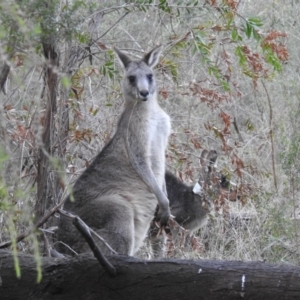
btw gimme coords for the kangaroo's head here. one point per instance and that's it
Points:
(139, 81)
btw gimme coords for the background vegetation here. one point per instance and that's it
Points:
(228, 77)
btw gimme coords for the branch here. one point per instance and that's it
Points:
(84, 230)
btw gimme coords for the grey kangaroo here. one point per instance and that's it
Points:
(189, 205)
(118, 193)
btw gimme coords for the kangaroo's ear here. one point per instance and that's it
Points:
(123, 58)
(152, 57)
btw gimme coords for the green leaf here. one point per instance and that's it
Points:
(103, 70)
(234, 34)
(241, 55)
(250, 126)
(66, 82)
(271, 58)
(251, 28)
(248, 30)
(255, 21)
(225, 85)
(256, 35)
(173, 68)
(37, 29)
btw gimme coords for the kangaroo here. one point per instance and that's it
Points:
(189, 205)
(118, 193)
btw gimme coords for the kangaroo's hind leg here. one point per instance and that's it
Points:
(112, 218)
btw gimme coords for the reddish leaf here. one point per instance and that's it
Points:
(102, 46)
(164, 94)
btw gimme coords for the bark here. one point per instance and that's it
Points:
(45, 190)
(3, 76)
(83, 278)
(10, 52)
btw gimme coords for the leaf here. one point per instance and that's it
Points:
(217, 28)
(8, 107)
(256, 35)
(164, 94)
(227, 122)
(255, 21)
(240, 54)
(234, 34)
(102, 46)
(248, 30)
(225, 86)
(66, 82)
(250, 126)
(196, 143)
(170, 66)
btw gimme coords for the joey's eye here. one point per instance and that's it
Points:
(150, 77)
(131, 79)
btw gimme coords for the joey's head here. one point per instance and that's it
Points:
(139, 81)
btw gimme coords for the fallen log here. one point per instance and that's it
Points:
(83, 278)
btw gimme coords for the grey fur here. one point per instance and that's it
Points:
(118, 193)
(190, 209)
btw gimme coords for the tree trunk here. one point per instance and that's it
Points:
(83, 278)
(45, 188)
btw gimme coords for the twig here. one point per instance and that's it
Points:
(46, 243)
(101, 36)
(67, 246)
(237, 129)
(271, 135)
(85, 231)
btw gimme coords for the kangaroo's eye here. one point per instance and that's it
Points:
(131, 79)
(150, 77)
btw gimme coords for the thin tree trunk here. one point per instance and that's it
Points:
(3, 76)
(45, 191)
(11, 50)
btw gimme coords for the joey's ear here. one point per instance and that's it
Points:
(152, 57)
(203, 157)
(212, 157)
(123, 58)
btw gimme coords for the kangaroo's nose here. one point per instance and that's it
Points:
(144, 94)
